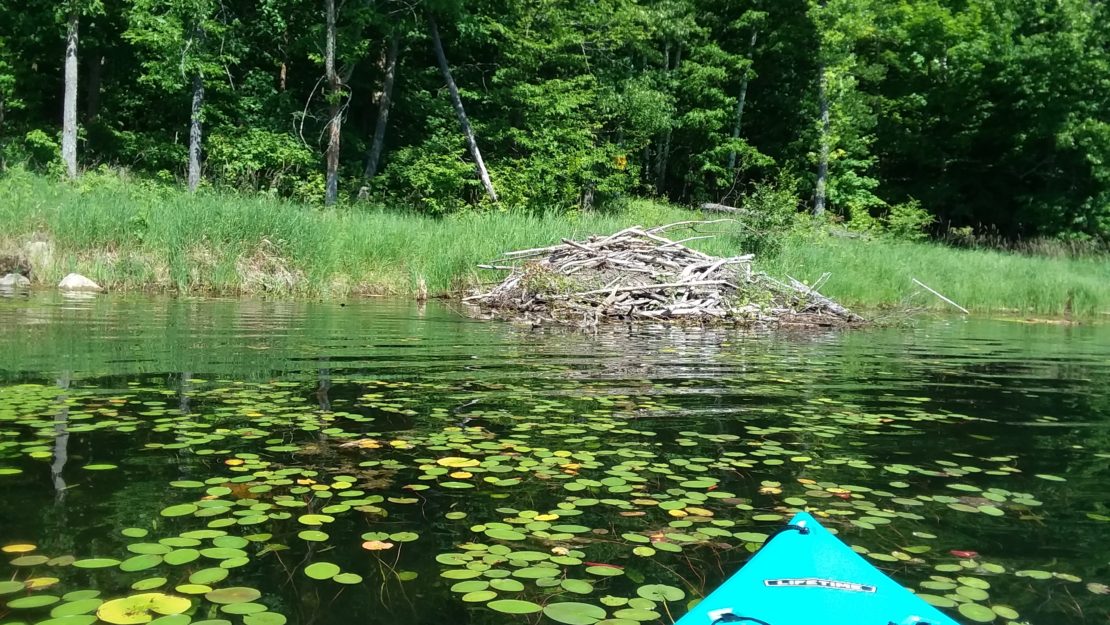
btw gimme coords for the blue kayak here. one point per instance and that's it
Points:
(804, 575)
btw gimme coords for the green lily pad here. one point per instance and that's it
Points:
(181, 556)
(140, 563)
(264, 618)
(183, 509)
(479, 596)
(33, 601)
(73, 619)
(82, 606)
(506, 585)
(149, 583)
(976, 612)
(347, 578)
(321, 570)
(234, 594)
(498, 533)
(140, 608)
(577, 586)
(605, 571)
(241, 609)
(574, 613)
(516, 606)
(661, 592)
(315, 519)
(208, 576)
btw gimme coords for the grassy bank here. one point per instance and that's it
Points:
(137, 236)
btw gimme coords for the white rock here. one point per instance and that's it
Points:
(14, 281)
(78, 282)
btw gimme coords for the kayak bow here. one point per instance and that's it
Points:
(805, 575)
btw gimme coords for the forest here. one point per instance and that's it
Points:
(983, 116)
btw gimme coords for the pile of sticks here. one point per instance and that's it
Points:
(639, 274)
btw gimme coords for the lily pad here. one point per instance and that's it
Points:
(183, 509)
(574, 613)
(83, 606)
(977, 613)
(33, 601)
(234, 594)
(516, 606)
(661, 592)
(321, 570)
(140, 608)
(208, 576)
(140, 563)
(264, 618)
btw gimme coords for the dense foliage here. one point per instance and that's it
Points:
(984, 113)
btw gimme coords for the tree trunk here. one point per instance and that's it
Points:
(3, 150)
(195, 136)
(92, 105)
(740, 104)
(384, 101)
(823, 162)
(471, 142)
(331, 191)
(69, 108)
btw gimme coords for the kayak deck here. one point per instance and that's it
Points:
(805, 575)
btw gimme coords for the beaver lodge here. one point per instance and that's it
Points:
(640, 274)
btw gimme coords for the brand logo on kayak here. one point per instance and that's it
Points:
(816, 582)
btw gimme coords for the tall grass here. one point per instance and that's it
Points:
(134, 235)
(880, 272)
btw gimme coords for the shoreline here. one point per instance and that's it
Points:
(131, 237)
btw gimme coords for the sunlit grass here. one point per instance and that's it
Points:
(132, 235)
(881, 272)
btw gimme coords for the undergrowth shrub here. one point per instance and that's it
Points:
(260, 159)
(908, 221)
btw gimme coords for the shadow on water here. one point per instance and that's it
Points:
(462, 471)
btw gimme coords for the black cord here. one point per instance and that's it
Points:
(734, 618)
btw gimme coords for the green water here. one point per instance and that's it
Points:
(489, 467)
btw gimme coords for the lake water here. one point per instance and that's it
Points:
(257, 463)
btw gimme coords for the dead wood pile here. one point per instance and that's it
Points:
(639, 274)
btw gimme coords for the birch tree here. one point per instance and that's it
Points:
(70, 13)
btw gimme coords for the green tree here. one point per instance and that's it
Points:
(8, 99)
(184, 42)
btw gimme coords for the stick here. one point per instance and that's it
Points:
(698, 222)
(655, 287)
(927, 288)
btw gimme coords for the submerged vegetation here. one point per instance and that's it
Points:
(581, 508)
(139, 236)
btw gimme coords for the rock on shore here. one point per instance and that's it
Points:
(78, 282)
